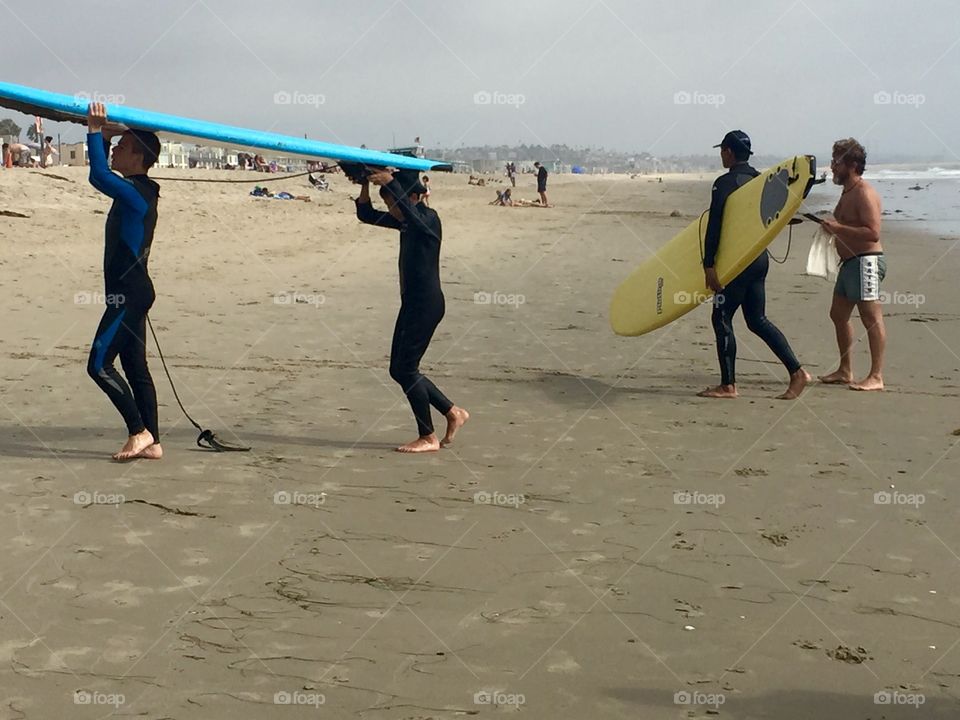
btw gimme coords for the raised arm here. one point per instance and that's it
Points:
(101, 177)
(417, 216)
(367, 214)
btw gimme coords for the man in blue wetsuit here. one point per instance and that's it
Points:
(128, 290)
(421, 298)
(747, 290)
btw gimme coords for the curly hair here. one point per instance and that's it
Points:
(849, 150)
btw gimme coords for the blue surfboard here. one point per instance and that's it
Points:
(55, 106)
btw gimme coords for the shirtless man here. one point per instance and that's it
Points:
(862, 265)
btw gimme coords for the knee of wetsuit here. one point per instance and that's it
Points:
(398, 374)
(718, 320)
(93, 370)
(756, 323)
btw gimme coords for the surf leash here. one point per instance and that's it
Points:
(207, 439)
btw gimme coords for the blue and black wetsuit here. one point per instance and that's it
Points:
(128, 290)
(747, 290)
(421, 300)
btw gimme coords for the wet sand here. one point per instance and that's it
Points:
(598, 540)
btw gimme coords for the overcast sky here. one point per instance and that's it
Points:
(664, 77)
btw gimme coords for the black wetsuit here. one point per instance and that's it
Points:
(746, 290)
(542, 179)
(421, 300)
(128, 290)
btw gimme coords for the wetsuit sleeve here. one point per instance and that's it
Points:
(107, 181)
(417, 216)
(711, 242)
(366, 214)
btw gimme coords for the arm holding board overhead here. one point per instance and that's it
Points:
(367, 214)
(400, 186)
(101, 176)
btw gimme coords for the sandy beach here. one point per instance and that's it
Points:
(599, 542)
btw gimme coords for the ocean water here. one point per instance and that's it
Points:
(927, 198)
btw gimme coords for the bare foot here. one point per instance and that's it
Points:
(154, 452)
(456, 419)
(428, 443)
(870, 382)
(136, 445)
(720, 391)
(839, 377)
(798, 381)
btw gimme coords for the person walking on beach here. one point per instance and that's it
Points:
(129, 292)
(48, 151)
(747, 290)
(541, 183)
(512, 174)
(856, 227)
(421, 298)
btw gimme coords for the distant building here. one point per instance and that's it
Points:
(173, 155)
(213, 158)
(73, 154)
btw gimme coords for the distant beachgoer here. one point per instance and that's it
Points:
(7, 156)
(19, 155)
(542, 183)
(48, 151)
(747, 290)
(512, 173)
(863, 266)
(418, 150)
(129, 292)
(426, 195)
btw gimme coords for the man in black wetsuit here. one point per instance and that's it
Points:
(128, 290)
(541, 183)
(747, 289)
(421, 299)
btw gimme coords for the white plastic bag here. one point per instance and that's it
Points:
(823, 260)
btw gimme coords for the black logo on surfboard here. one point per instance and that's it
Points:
(659, 296)
(774, 197)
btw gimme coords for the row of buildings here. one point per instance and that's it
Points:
(183, 155)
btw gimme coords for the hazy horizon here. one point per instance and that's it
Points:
(631, 77)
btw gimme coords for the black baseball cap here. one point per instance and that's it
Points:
(736, 140)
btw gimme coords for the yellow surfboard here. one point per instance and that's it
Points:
(671, 284)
